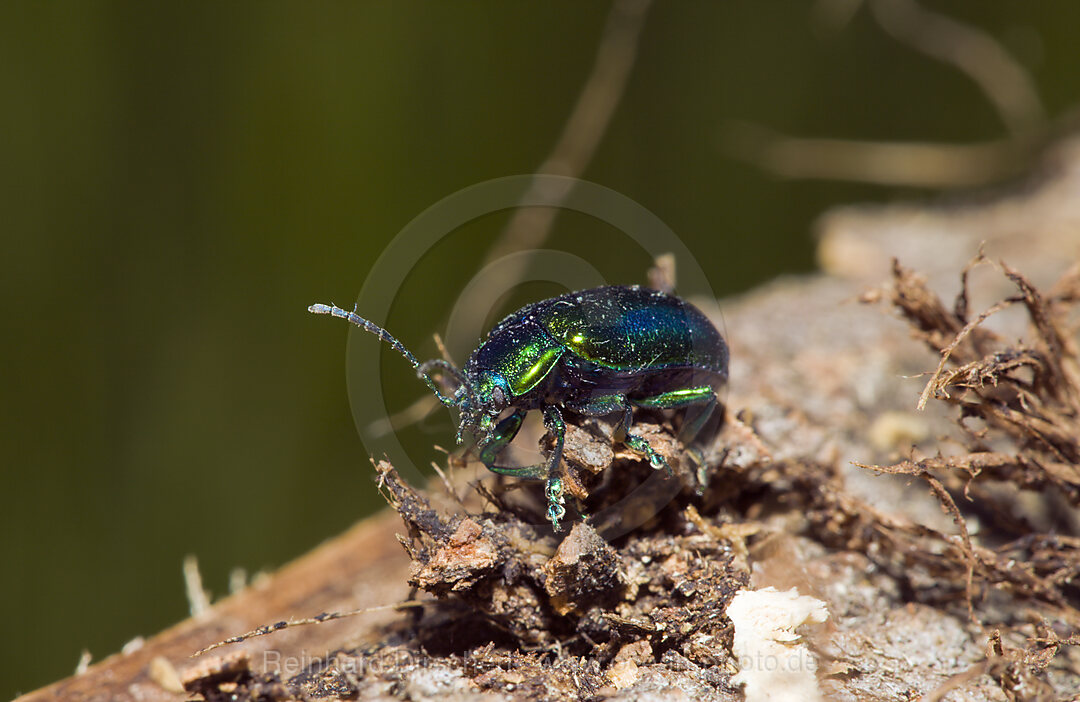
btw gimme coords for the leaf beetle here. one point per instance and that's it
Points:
(593, 353)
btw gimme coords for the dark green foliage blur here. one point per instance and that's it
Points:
(180, 180)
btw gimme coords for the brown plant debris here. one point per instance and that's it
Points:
(539, 616)
(1019, 403)
(540, 594)
(231, 678)
(1019, 470)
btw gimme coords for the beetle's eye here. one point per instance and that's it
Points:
(498, 397)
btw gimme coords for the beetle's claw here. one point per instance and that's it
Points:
(640, 446)
(554, 514)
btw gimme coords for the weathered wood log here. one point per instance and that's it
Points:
(819, 382)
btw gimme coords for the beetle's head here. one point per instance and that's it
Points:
(481, 400)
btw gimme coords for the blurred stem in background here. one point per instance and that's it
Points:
(975, 53)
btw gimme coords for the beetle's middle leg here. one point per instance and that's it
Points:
(611, 404)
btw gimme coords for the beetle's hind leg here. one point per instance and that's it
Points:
(610, 404)
(702, 403)
(504, 433)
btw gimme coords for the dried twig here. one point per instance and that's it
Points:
(1027, 394)
(935, 382)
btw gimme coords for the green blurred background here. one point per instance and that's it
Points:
(181, 179)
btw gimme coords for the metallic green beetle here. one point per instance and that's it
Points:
(594, 353)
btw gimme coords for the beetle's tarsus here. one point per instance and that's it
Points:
(556, 501)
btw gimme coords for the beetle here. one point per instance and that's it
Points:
(594, 353)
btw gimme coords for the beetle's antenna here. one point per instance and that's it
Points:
(384, 335)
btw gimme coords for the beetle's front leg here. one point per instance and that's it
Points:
(553, 490)
(500, 437)
(504, 433)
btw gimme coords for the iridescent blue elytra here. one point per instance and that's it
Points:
(593, 353)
